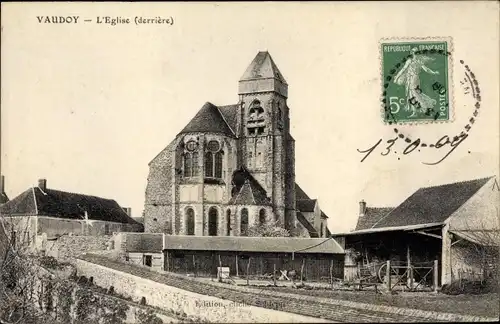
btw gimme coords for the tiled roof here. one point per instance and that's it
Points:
(247, 190)
(61, 204)
(306, 205)
(372, 215)
(432, 204)
(263, 66)
(230, 114)
(299, 193)
(310, 228)
(252, 244)
(208, 119)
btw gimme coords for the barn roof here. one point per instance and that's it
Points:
(68, 205)
(252, 244)
(431, 204)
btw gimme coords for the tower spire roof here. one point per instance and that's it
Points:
(263, 67)
(262, 75)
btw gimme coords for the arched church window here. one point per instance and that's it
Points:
(213, 160)
(321, 230)
(213, 221)
(195, 166)
(187, 164)
(244, 222)
(190, 159)
(190, 221)
(262, 216)
(228, 222)
(209, 164)
(218, 165)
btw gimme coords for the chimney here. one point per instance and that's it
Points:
(362, 208)
(42, 184)
(128, 210)
(2, 184)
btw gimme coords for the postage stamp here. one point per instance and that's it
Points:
(416, 82)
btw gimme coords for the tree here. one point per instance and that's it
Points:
(268, 229)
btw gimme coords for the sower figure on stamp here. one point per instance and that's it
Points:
(409, 76)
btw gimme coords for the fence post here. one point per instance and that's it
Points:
(388, 274)
(435, 275)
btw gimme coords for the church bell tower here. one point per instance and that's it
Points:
(266, 147)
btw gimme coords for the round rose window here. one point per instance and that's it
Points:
(213, 146)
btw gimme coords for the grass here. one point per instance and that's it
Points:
(476, 305)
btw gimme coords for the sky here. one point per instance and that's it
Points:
(87, 106)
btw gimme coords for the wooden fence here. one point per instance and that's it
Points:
(412, 277)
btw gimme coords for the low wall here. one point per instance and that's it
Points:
(202, 307)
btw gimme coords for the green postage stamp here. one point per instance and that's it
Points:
(416, 80)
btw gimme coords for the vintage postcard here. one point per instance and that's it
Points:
(249, 162)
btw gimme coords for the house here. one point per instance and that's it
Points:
(255, 256)
(233, 166)
(41, 213)
(453, 223)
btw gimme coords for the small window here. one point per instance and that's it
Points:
(127, 258)
(148, 260)
(107, 230)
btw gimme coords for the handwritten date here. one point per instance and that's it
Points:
(443, 143)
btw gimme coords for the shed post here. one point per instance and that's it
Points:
(219, 275)
(274, 272)
(248, 269)
(167, 261)
(194, 265)
(331, 273)
(435, 275)
(302, 271)
(409, 268)
(388, 274)
(236, 261)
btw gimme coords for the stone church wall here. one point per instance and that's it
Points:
(158, 203)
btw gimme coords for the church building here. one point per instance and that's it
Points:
(233, 166)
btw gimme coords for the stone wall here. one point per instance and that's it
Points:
(66, 247)
(205, 307)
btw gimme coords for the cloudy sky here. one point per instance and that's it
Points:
(88, 105)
